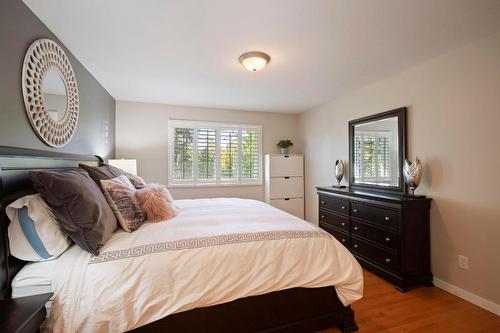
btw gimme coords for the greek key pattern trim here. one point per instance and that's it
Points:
(195, 243)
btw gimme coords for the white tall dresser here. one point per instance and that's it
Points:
(284, 182)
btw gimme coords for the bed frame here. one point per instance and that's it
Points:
(291, 310)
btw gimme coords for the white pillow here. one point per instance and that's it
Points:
(34, 234)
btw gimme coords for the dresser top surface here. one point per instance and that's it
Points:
(390, 197)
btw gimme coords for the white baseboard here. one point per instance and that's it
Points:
(468, 296)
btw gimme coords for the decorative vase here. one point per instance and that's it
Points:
(339, 171)
(284, 151)
(412, 173)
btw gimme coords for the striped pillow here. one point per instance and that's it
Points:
(34, 234)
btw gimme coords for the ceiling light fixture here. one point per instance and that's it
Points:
(254, 61)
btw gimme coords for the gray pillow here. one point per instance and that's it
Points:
(104, 172)
(78, 205)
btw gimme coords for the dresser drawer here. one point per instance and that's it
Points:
(286, 187)
(334, 220)
(342, 237)
(334, 204)
(285, 165)
(374, 234)
(293, 206)
(375, 254)
(378, 215)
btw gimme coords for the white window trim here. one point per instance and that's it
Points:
(173, 123)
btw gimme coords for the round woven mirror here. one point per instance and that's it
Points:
(50, 92)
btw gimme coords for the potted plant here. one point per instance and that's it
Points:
(284, 145)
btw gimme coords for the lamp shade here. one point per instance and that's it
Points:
(127, 165)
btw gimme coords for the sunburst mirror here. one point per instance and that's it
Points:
(50, 92)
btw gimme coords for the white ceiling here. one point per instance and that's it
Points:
(186, 52)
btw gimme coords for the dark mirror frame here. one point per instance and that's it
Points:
(401, 114)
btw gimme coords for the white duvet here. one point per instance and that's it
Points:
(214, 251)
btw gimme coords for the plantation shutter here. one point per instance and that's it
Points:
(206, 145)
(183, 154)
(369, 157)
(374, 151)
(250, 153)
(358, 149)
(203, 153)
(229, 154)
(383, 159)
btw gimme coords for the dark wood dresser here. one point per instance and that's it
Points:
(387, 233)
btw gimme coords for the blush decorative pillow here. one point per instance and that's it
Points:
(157, 203)
(123, 200)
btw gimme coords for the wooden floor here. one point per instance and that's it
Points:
(422, 309)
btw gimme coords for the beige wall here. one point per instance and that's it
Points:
(454, 117)
(141, 133)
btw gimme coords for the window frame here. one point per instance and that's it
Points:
(219, 182)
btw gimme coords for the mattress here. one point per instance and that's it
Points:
(34, 279)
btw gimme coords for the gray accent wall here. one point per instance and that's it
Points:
(95, 133)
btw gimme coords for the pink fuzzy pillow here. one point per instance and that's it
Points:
(156, 202)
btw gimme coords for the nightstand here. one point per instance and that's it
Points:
(23, 315)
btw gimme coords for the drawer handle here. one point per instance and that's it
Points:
(286, 199)
(287, 177)
(355, 210)
(322, 217)
(387, 239)
(343, 240)
(343, 223)
(356, 228)
(322, 202)
(343, 207)
(356, 246)
(387, 260)
(387, 218)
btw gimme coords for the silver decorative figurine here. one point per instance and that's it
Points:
(412, 173)
(339, 172)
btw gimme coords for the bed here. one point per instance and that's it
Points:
(220, 265)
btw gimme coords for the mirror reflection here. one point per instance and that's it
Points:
(376, 152)
(54, 93)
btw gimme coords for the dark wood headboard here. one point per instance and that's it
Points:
(15, 165)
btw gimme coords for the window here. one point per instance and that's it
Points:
(202, 153)
(374, 152)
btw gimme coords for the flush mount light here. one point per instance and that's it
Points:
(254, 61)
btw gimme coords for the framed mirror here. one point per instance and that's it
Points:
(54, 94)
(50, 92)
(377, 149)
